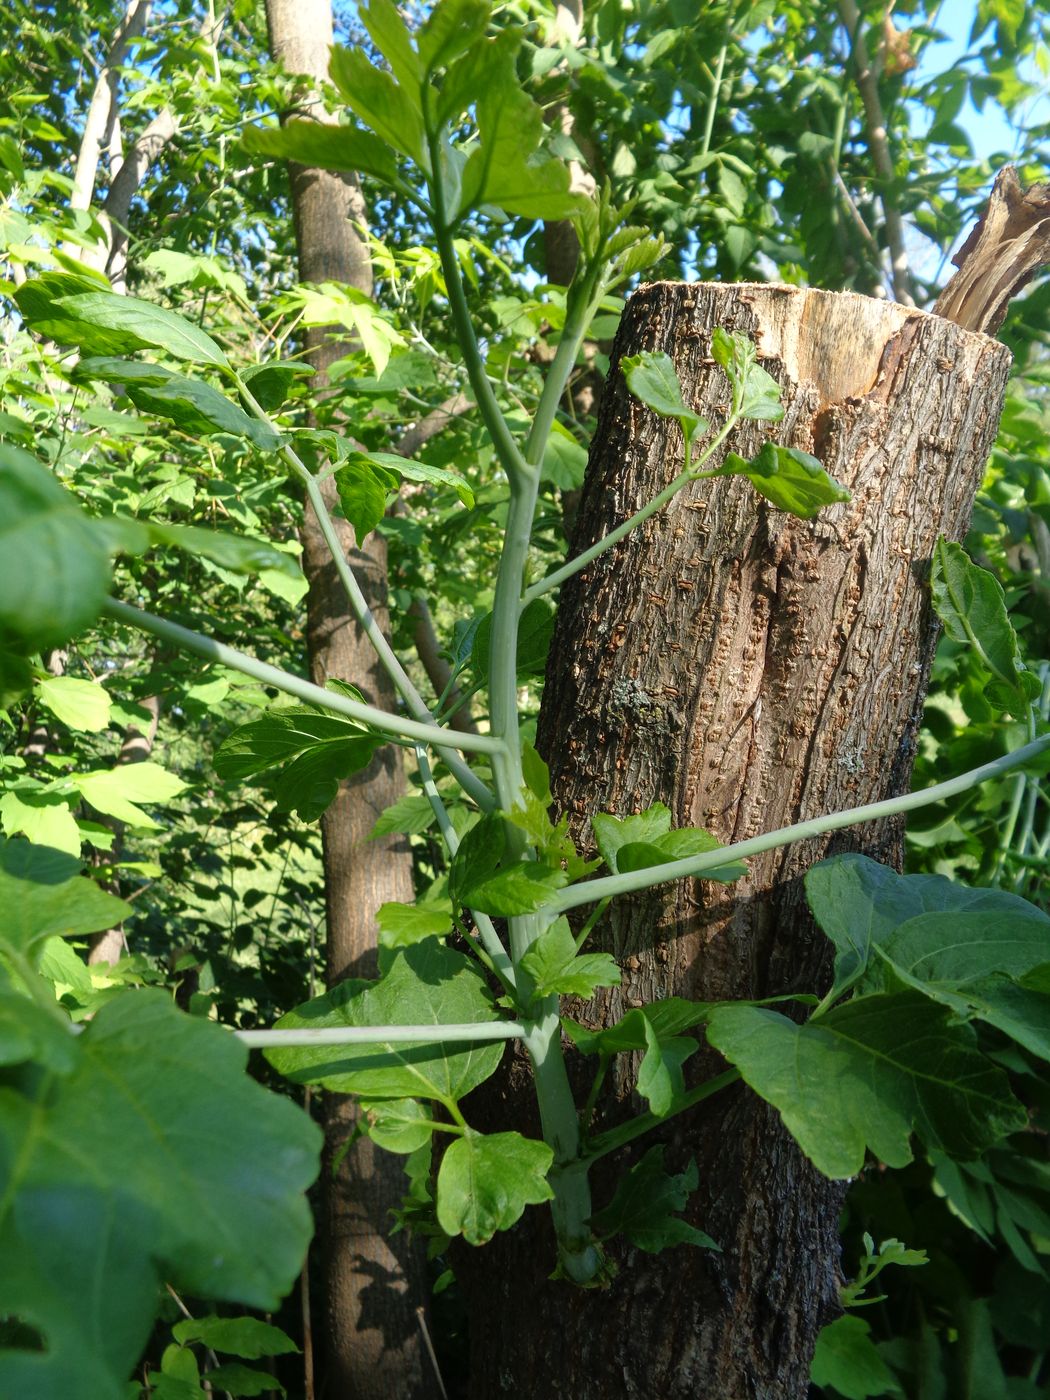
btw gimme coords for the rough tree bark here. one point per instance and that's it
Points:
(749, 670)
(374, 1283)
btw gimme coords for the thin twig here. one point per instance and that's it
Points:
(879, 147)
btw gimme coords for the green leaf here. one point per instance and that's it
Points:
(643, 1208)
(363, 488)
(847, 1359)
(452, 27)
(758, 392)
(151, 326)
(535, 630)
(912, 921)
(653, 379)
(160, 1106)
(660, 1079)
(504, 168)
(667, 1018)
(398, 1125)
(401, 925)
(971, 604)
(485, 1182)
(43, 895)
(29, 1033)
(313, 751)
(118, 791)
(393, 113)
(390, 35)
(234, 1379)
(82, 705)
(421, 471)
(486, 875)
(42, 817)
(638, 842)
(564, 460)
(788, 478)
(409, 816)
(556, 968)
(318, 145)
(249, 1337)
(237, 553)
(40, 300)
(426, 985)
(54, 563)
(271, 383)
(192, 405)
(871, 1073)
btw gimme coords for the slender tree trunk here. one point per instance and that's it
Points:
(749, 670)
(375, 1283)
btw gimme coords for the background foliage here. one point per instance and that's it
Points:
(744, 137)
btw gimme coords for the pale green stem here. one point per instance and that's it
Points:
(490, 939)
(618, 1137)
(580, 561)
(688, 473)
(382, 1035)
(507, 449)
(630, 883)
(211, 650)
(583, 303)
(359, 606)
(712, 103)
(571, 1207)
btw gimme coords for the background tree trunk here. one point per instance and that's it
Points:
(749, 670)
(374, 1283)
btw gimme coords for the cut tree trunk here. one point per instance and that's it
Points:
(748, 670)
(375, 1283)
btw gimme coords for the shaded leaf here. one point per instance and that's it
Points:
(643, 1208)
(54, 562)
(871, 1073)
(847, 1359)
(485, 1182)
(426, 985)
(249, 1337)
(646, 839)
(159, 1104)
(43, 895)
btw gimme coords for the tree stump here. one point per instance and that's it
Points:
(748, 670)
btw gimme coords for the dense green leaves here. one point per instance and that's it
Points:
(869, 1074)
(43, 895)
(427, 984)
(485, 1182)
(970, 602)
(159, 1104)
(645, 1206)
(487, 872)
(637, 842)
(304, 752)
(54, 566)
